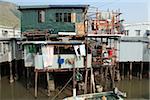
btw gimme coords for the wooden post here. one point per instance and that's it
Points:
(11, 80)
(36, 78)
(74, 80)
(122, 75)
(28, 80)
(141, 70)
(0, 71)
(130, 76)
(86, 78)
(16, 70)
(48, 83)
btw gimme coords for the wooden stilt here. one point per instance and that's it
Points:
(141, 71)
(86, 78)
(36, 78)
(11, 80)
(106, 73)
(113, 77)
(0, 71)
(122, 75)
(92, 83)
(102, 74)
(28, 80)
(16, 70)
(130, 76)
(48, 84)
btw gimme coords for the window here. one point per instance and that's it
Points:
(4, 32)
(41, 16)
(147, 32)
(1, 47)
(58, 17)
(137, 32)
(126, 32)
(63, 17)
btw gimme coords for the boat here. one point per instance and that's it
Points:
(110, 95)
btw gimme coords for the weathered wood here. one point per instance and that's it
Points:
(0, 71)
(36, 79)
(122, 75)
(141, 70)
(28, 78)
(86, 78)
(130, 71)
(16, 70)
(48, 84)
(11, 80)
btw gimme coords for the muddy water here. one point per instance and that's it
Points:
(136, 89)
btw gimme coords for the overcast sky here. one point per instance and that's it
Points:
(133, 10)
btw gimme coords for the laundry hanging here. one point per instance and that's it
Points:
(76, 48)
(82, 50)
(48, 54)
(38, 61)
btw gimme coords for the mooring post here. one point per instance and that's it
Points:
(122, 75)
(141, 71)
(11, 80)
(130, 76)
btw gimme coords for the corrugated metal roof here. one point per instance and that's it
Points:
(52, 6)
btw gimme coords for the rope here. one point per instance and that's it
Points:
(62, 89)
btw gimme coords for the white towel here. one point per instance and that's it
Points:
(48, 54)
(38, 61)
(82, 50)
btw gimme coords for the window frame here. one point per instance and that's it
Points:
(41, 16)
